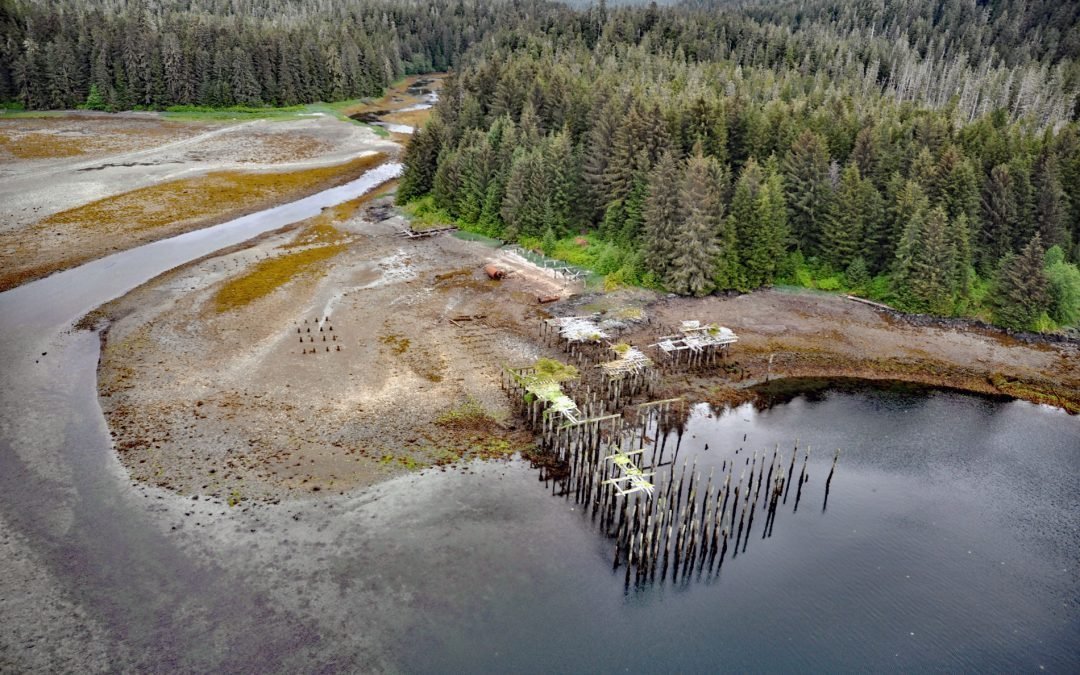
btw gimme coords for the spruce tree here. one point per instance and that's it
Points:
(959, 236)
(769, 240)
(857, 274)
(421, 160)
(696, 248)
(807, 189)
(957, 188)
(606, 115)
(843, 229)
(743, 219)
(661, 216)
(562, 179)
(1021, 290)
(865, 154)
(634, 213)
(999, 214)
(926, 264)
(1024, 226)
(446, 186)
(94, 100)
(1049, 200)
(476, 162)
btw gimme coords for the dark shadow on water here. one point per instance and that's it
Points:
(817, 389)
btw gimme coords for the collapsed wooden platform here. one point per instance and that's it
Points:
(696, 343)
(410, 233)
(631, 475)
(577, 328)
(630, 361)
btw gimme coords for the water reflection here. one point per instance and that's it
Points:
(700, 504)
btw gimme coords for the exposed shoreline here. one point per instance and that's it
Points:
(227, 406)
(83, 186)
(816, 335)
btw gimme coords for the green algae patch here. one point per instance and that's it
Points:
(269, 275)
(397, 344)
(470, 415)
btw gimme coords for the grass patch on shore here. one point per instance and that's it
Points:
(412, 118)
(192, 198)
(424, 215)
(269, 275)
(45, 143)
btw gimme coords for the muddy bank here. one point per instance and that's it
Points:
(384, 357)
(380, 356)
(79, 187)
(807, 334)
(71, 238)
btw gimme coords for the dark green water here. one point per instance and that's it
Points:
(950, 543)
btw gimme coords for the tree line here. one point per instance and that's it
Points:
(923, 153)
(606, 144)
(132, 54)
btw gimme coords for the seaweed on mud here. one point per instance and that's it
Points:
(191, 198)
(268, 275)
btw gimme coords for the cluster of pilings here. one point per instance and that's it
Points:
(591, 355)
(687, 523)
(616, 461)
(624, 387)
(688, 347)
(685, 526)
(324, 329)
(584, 351)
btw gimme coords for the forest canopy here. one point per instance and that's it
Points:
(926, 154)
(701, 151)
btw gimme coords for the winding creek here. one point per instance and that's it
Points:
(949, 542)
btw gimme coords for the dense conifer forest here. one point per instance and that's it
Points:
(925, 154)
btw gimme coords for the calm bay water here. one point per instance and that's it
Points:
(950, 542)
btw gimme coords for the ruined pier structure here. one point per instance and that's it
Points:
(617, 461)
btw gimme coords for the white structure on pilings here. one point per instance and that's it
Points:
(696, 343)
(578, 328)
